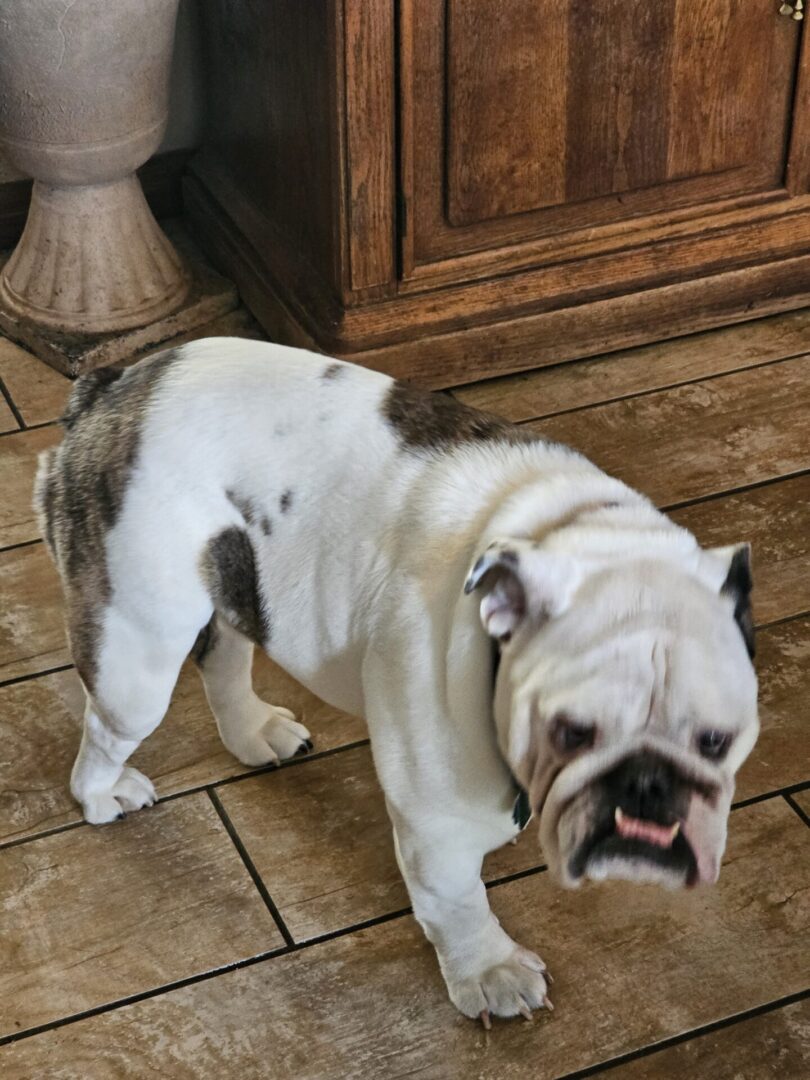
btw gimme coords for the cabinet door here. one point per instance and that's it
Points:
(525, 119)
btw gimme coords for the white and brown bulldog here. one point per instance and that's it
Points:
(374, 540)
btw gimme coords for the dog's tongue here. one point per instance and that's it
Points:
(638, 829)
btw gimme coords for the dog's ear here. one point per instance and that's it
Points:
(520, 580)
(732, 576)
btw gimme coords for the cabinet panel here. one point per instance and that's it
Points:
(525, 118)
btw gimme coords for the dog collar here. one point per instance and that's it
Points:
(521, 808)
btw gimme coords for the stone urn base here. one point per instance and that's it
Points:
(92, 259)
(205, 296)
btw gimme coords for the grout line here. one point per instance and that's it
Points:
(261, 888)
(632, 395)
(781, 622)
(203, 976)
(795, 806)
(53, 831)
(787, 790)
(741, 489)
(4, 392)
(517, 876)
(686, 1036)
(34, 675)
(22, 544)
(290, 763)
(30, 427)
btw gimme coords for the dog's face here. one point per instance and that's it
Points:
(625, 703)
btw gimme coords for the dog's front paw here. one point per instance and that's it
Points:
(513, 987)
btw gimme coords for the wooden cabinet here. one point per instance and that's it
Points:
(447, 189)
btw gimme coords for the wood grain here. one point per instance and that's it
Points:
(701, 438)
(369, 30)
(797, 178)
(633, 371)
(18, 466)
(32, 633)
(272, 118)
(511, 344)
(506, 106)
(123, 909)
(618, 117)
(438, 238)
(40, 725)
(632, 966)
(719, 84)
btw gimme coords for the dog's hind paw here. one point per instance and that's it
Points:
(278, 738)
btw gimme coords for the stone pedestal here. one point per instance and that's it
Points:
(83, 103)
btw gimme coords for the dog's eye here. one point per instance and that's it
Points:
(568, 735)
(714, 744)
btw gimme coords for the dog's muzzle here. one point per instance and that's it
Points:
(640, 808)
(640, 817)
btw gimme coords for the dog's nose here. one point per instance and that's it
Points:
(644, 787)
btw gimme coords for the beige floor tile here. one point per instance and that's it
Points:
(8, 422)
(18, 465)
(321, 840)
(775, 1046)
(32, 634)
(699, 439)
(92, 915)
(40, 723)
(39, 392)
(632, 966)
(633, 371)
(802, 798)
(783, 667)
(775, 520)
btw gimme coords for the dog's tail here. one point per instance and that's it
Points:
(86, 392)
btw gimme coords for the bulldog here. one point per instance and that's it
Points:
(523, 634)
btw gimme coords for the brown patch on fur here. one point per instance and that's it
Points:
(436, 421)
(81, 486)
(206, 641)
(229, 572)
(332, 372)
(266, 525)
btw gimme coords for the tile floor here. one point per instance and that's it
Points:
(253, 924)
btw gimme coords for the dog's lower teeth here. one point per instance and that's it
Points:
(631, 828)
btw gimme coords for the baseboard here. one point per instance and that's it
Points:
(509, 344)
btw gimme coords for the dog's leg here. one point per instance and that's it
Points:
(256, 733)
(486, 972)
(127, 697)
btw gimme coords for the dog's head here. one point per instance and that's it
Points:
(625, 703)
